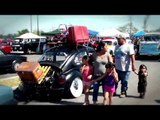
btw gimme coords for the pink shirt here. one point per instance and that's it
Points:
(88, 70)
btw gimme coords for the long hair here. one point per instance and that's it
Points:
(100, 46)
(88, 58)
(142, 66)
(110, 65)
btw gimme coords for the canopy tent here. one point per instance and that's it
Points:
(112, 33)
(126, 35)
(139, 33)
(109, 33)
(92, 32)
(30, 36)
(57, 31)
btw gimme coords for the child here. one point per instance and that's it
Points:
(86, 71)
(110, 77)
(142, 77)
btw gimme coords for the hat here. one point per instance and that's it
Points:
(121, 36)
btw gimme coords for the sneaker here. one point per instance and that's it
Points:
(126, 93)
(86, 103)
(142, 95)
(123, 95)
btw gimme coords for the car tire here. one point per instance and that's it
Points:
(75, 88)
(15, 65)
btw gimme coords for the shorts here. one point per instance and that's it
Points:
(109, 89)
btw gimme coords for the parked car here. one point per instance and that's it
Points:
(5, 47)
(9, 61)
(6, 96)
(64, 77)
(111, 43)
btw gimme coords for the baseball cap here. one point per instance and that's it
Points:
(121, 36)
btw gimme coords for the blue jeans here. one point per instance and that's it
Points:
(123, 76)
(96, 89)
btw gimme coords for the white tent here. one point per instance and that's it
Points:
(126, 35)
(109, 33)
(30, 36)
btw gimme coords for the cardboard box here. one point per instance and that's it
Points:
(30, 71)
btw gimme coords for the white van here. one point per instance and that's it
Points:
(111, 43)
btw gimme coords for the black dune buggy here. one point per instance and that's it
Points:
(63, 79)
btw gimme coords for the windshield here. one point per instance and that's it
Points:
(152, 38)
(1, 53)
(55, 55)
(108, 42)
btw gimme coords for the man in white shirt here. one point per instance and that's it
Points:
(125, 62)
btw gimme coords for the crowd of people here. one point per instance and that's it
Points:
(102, 68)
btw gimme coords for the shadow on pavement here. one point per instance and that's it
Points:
(3, 72)
(63, 102)
(99, 93)
(131, 96)
(158, 101)
(148, 58)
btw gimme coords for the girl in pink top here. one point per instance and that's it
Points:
(86, 71)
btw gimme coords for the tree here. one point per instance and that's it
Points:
(145, 23)
(23, 32)
(35, 32)
(1, 35)
(127, 28)
(157, 30)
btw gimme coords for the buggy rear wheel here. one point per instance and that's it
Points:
(74, 88)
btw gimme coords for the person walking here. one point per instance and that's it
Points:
(86, 71)
(100, 59)
(110, 78)
(124, 57)
(142, 80)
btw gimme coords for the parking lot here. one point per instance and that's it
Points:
(152, 96)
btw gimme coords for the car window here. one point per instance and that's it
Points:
(56, 55)
(1, 53)
(78, 58)
(108, 42)
(115, 43)
(61, 56)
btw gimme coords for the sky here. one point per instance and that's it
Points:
(13, 23)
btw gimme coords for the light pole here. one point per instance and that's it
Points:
(37, 25)
(31, 23)
(130, 24)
